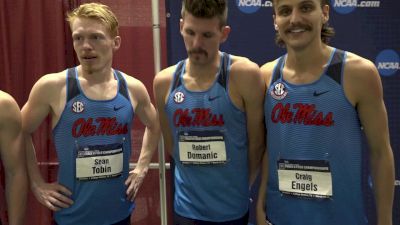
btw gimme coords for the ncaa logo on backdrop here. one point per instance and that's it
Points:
(348, 6)
(387, 62)
(252, 6)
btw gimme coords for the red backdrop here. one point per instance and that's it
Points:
(35, 40)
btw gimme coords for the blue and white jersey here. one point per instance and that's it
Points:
(210, 149)
(93, 143)
(316, 160)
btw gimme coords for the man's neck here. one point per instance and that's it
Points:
(96, 76)
(308, 58)
(204, 71)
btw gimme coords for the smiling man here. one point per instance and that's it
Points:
(318, 102)
(91, 108)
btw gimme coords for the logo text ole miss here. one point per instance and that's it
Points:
(96, 127)
(197, 117)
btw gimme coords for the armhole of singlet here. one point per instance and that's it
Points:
(335, 68)
(276, 74)
(72, 84)
(223, 76)
(122, 86)
(176, 82)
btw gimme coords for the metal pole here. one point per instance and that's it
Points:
(157, 67)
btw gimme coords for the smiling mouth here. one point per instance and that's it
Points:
(297, 30)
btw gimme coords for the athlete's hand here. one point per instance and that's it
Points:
(53, 195)
(134, 182)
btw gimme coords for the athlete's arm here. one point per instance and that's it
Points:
(364, 89)
(246, 78)
(266, 73)
(147, 114)
(161, 86)
(45, 92)
(13, 158)
(262, 191)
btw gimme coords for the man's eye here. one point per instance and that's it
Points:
(307, 8)
(284, 12)
(207, 35)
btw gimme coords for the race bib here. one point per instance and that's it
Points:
(305, 178)
(202, 147)
(99, 162)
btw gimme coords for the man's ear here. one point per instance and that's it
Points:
(275, 25)
(225, 33)
(117, 43)
(181, 25)
(325, 14)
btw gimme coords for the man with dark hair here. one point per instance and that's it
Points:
(91, 108)
(318, 102)
(210, 108)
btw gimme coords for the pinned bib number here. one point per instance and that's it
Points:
(202, 147)
(99, 162)
(305, 178)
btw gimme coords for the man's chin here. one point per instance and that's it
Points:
(88, 68)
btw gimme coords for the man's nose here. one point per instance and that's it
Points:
(197, 41)
(295, 17)
(87, 44)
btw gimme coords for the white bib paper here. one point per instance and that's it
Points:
(202, 147)
(99, 164)
(306, 178)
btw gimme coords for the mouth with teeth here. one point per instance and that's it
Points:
(298, 29)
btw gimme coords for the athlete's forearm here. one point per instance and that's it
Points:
(16, 194)
(151, 138)
(34, 174)
(383, 183)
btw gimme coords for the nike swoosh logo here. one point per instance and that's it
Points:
(316, 94)
(213, 98)
(116, 108)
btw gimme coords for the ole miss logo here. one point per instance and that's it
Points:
(99, 126)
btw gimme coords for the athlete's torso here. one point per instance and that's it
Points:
(315, 154)
(210, 149)
(93, 143)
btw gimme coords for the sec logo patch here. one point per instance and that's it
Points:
(78, 107)
(179, 97)
(279, 91)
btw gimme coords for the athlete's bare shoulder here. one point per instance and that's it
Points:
(132, 81)
(267, 70)
(165, 74)
(357, 64)
(137, 90)
(360, 76)
(243, 64)
(163, 79)
(5, 100)
(49, 87)
(9, 109)
(245, 81)
(244, 72)
(52, 82)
